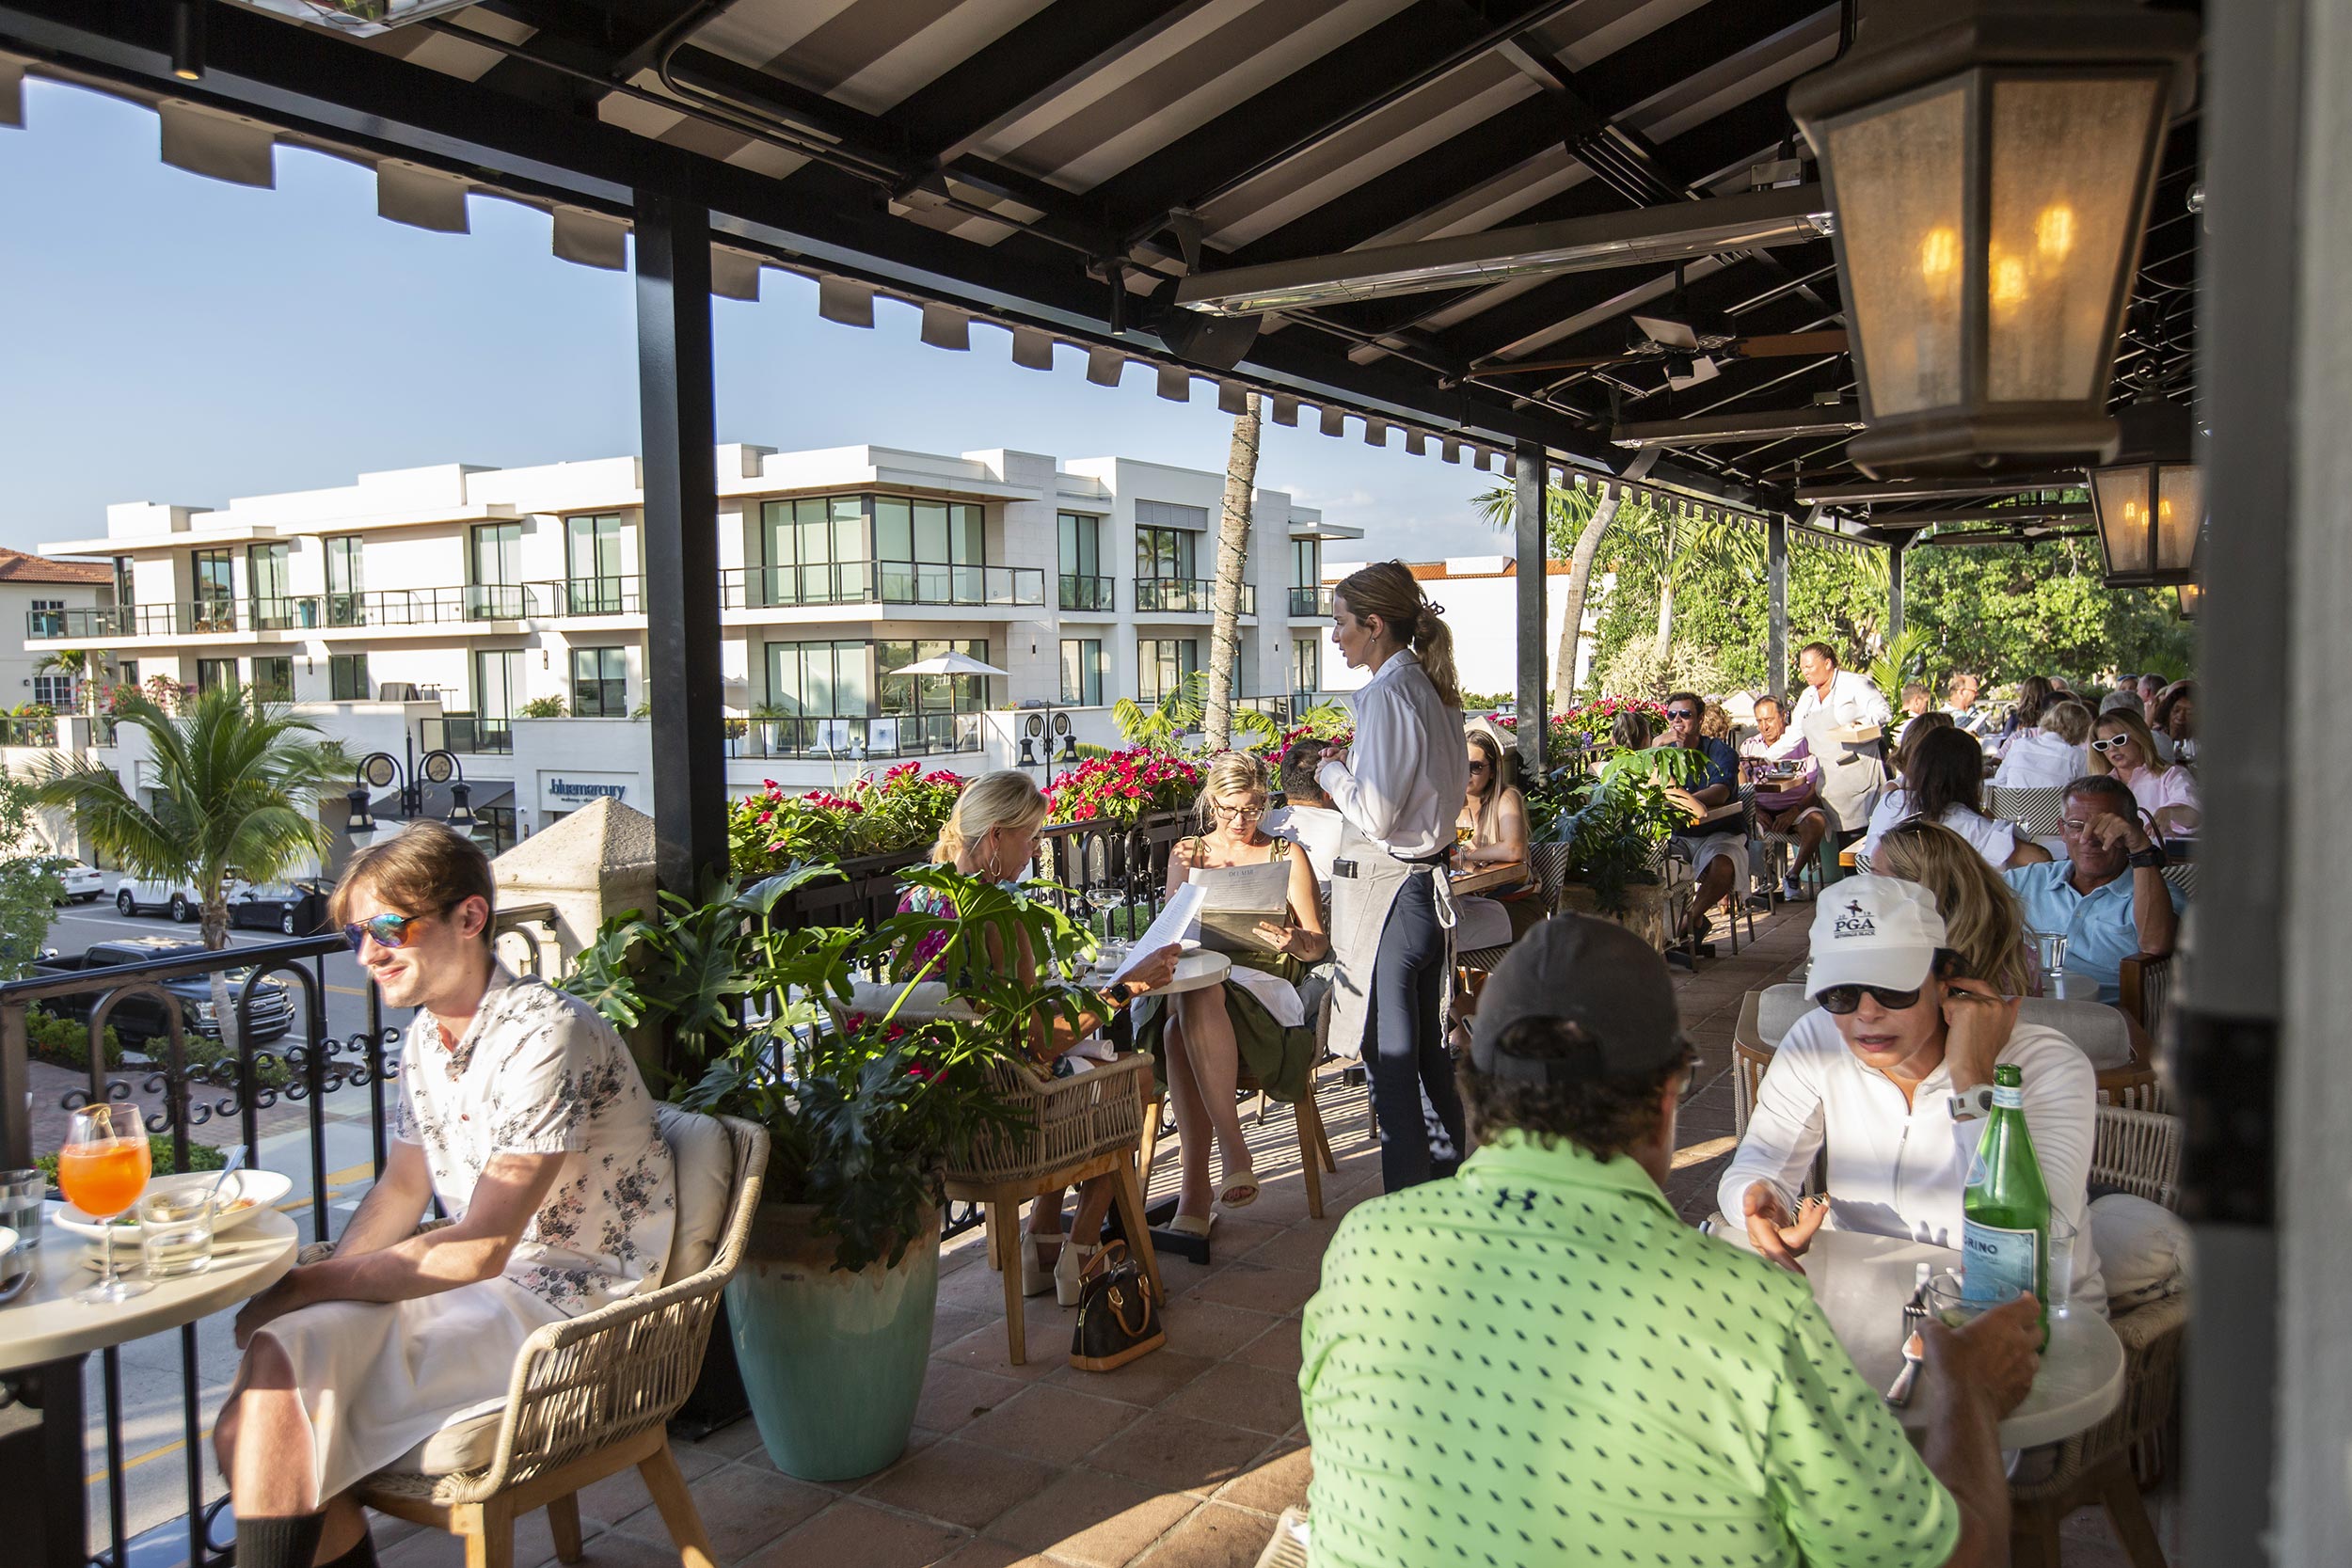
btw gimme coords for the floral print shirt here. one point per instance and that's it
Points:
(541, 1073)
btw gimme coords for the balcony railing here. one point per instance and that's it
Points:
(834, 582)
(1186, 596)
(1311, 601)
(921, 582)
(1085, 593)
(131, 620)
(787, 587)
(589, 596)
(273, 614)
(914, 735)
(28, 732)
(468, 735)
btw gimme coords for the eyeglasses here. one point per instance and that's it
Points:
(1842, 999)
(1239, 813)
(1478, 768)
(390, 930)
(2111, 743)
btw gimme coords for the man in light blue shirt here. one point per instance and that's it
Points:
(2109, 898)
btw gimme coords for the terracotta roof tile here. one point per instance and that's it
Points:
(16, 567)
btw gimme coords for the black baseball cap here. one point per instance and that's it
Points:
(1594, 975)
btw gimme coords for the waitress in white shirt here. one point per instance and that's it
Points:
(1399, 785)
(1840, 714)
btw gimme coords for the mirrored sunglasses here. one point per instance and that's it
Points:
(1842, 999)
(390, 930)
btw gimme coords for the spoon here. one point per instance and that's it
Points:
(236, 1158)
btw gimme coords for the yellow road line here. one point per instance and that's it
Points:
(347, 990)
(172, 1446)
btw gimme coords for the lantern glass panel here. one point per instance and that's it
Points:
(2123, 497)
(2180, 510)
(2066, 166)
(1900, 190)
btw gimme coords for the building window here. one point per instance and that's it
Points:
(1082, 671)
(1306, 664)
(496, 591)
(499, 823)
(266, 567)
(1307, 563)
(212, 675)
(348, 677)
(599, 683)
(1084, 583)
(47, 618)
(497, 683)
(1163, 665)
(597, 568)
(273, 680)
(922, 714)
(54, 691)
(1165, 552)
(216, 582)
(931, 552)
(815, 552)
(821, 680)
(125, 591)
(345, 580)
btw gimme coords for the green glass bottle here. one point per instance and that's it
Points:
(2004, 1214)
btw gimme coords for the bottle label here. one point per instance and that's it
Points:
(1998, 1264)
(2008, 1097)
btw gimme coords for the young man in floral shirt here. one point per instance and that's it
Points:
(520, 1111)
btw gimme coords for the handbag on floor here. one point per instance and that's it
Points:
(1118, 1321)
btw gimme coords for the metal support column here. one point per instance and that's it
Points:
(1895, 592)
(1777, 678)
(1529, 471)
(676, 415)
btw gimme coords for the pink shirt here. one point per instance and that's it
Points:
(2157, 788)
(1790, 747)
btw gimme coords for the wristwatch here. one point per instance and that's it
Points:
(1973, 1104)
(1119, 992)
(2150, 858)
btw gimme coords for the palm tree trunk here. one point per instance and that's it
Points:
(1579, 582)
(1233, 557)
(213, 923)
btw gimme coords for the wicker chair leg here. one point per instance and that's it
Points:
(1310, 1156)
(1152, 1136)
(489, 1530)
(1127, 1192)
(678, 1514)
(2127, 1511)
(1005, 1220)
(563, 1524)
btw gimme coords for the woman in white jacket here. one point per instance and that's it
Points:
(2053, 754)
(1887, 1073)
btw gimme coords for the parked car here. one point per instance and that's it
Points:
(140, 1018)
(179, 900)
(292, 908)
(83, 883)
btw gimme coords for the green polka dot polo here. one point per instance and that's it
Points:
(1538, 1363)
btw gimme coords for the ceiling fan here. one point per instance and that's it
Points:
(1695, 346)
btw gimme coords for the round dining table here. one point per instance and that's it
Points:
(1862, 1282)
(46, 1337)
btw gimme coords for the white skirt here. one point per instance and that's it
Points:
(377, 1378)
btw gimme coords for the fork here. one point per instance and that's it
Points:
(1915, 1351)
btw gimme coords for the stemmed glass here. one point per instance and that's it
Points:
(102, 1170)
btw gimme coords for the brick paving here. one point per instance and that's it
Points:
(1180, 1459)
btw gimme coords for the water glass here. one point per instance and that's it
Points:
(1948, 1299)
(2062, 1236)
(2049, 951)
(176, 1231)
(19, 1205)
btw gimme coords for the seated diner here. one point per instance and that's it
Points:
(2122, 748)
(2056, 751)
(1492, 831)
(1984, 929)
(2109, 898)
(1944, 781)
(1780, 764)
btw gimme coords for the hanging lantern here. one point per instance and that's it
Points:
(1990, 163)
(2192, 597)
(2150, 500)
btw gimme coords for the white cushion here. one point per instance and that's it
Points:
(467, 1445)
(702, 1162)
(2143, 1248)
(2097, 1030)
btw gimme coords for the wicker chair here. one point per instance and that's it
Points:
(1079, 1128)
(1550, 864)
(2140, 1152)
(2037, 811)
(2144, 982)
(590, 1397)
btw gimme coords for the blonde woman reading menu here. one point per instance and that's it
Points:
(1256, 1016)
(1400, 785)
(993, 833)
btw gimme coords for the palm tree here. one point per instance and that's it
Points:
(80, 663)
(1232, 556)
(236, 785)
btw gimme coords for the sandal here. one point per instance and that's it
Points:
(1241, 1190)
(1192, 1224)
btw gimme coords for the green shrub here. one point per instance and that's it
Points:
(64, 1043)
(200, 1157)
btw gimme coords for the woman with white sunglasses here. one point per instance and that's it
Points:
(2167, 793)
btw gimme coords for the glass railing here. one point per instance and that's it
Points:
(467, 734)
(925, 582)
(1311, 601)
(500, 601)
(28, 732)
(1085, 593)
(102, 729)
(392, 607)
(120, 620)
(1186, 596)
(589, 596)
(209, 616)
(273, 614)
(787, 587)
(914, 735)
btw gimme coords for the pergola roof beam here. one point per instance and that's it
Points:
(1935, 489)
(1768, 424)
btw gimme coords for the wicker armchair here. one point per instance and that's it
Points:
(1549, 862)
(2144, 982)
(1088, 1125)
(2140, 1151)
(2036, 811)
(590, 1397)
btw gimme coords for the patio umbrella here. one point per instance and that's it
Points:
(949, 664)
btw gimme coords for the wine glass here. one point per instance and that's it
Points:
(1103, 897)
(102, 1170)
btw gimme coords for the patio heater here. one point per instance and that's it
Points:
(2150, 500)
(1989, 165)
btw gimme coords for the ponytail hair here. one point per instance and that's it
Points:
(1388, 589)
(1007, 798)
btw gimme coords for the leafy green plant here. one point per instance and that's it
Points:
(1900, 661)
(30, 890)
(543, 707)
(200, 1157)
(903, 809)
(1615, 821)
(65, 1042)
(863, 1111)
(1169, 724)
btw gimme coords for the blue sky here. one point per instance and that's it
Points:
(175, 339)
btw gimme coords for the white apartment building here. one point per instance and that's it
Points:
(37, 593)
(447, 605)
(1480, 594)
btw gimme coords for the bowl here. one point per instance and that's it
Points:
(248, 1192)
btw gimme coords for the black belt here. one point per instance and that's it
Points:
(1348, 868)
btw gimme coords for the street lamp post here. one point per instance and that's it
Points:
(381, 770)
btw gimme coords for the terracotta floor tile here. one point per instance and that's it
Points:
(742, 1509)
(964, 1483)
(728, 1442)
(1180, 1453)
(1216, 1536)
(978, 1289)
(1092, 1518)
(385, 1531)
(1051, 1422)
(614, 1549)
(1145, 1381)
(1272, 1485)
(1274, 1292)
(427, 1550)
(1239, 1232)
(1257, 1398)
(616, 1497)
(1278, 1348)
(1046, 1343)
(950, 1323)
(1211, 1330)
(993, 1554)
(853, 1535)
(953, 1395)
(1300, 1247)
(917, 1440)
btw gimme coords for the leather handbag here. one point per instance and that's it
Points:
(1118, 1321)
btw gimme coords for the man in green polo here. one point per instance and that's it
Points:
(1537, 1363)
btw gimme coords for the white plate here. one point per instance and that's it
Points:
(8, 1240)
(264, 1187)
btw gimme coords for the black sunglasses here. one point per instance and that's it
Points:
(1842, 999)
(1682, 713)
(390, 930)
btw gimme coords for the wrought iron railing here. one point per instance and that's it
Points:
(28, 732)
(618, 595)
(1311, 601)
(466, 734)
(1086, 592)
(1186, 596)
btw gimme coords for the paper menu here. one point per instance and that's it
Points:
(1239, 900)
(1173, 923)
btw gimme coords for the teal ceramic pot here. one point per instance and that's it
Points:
(833, 1361)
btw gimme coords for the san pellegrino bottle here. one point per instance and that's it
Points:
(2005, 1213)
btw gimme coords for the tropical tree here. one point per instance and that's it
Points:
(236, 786)
(1180, 711)
(80, 663)
(29, 889)
(1233, 557)
(1574, 523)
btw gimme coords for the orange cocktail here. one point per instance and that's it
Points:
(104, 1179)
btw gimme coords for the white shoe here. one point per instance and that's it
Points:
(1036, 1278)
(1070, 1271)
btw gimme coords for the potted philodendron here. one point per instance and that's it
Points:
(831, 1312)
(1616, 822)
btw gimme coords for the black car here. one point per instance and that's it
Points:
(140, 1017)
(290, 909)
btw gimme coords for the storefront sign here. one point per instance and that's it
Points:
(560, 790)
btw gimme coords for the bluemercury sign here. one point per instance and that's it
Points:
(567, 790)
